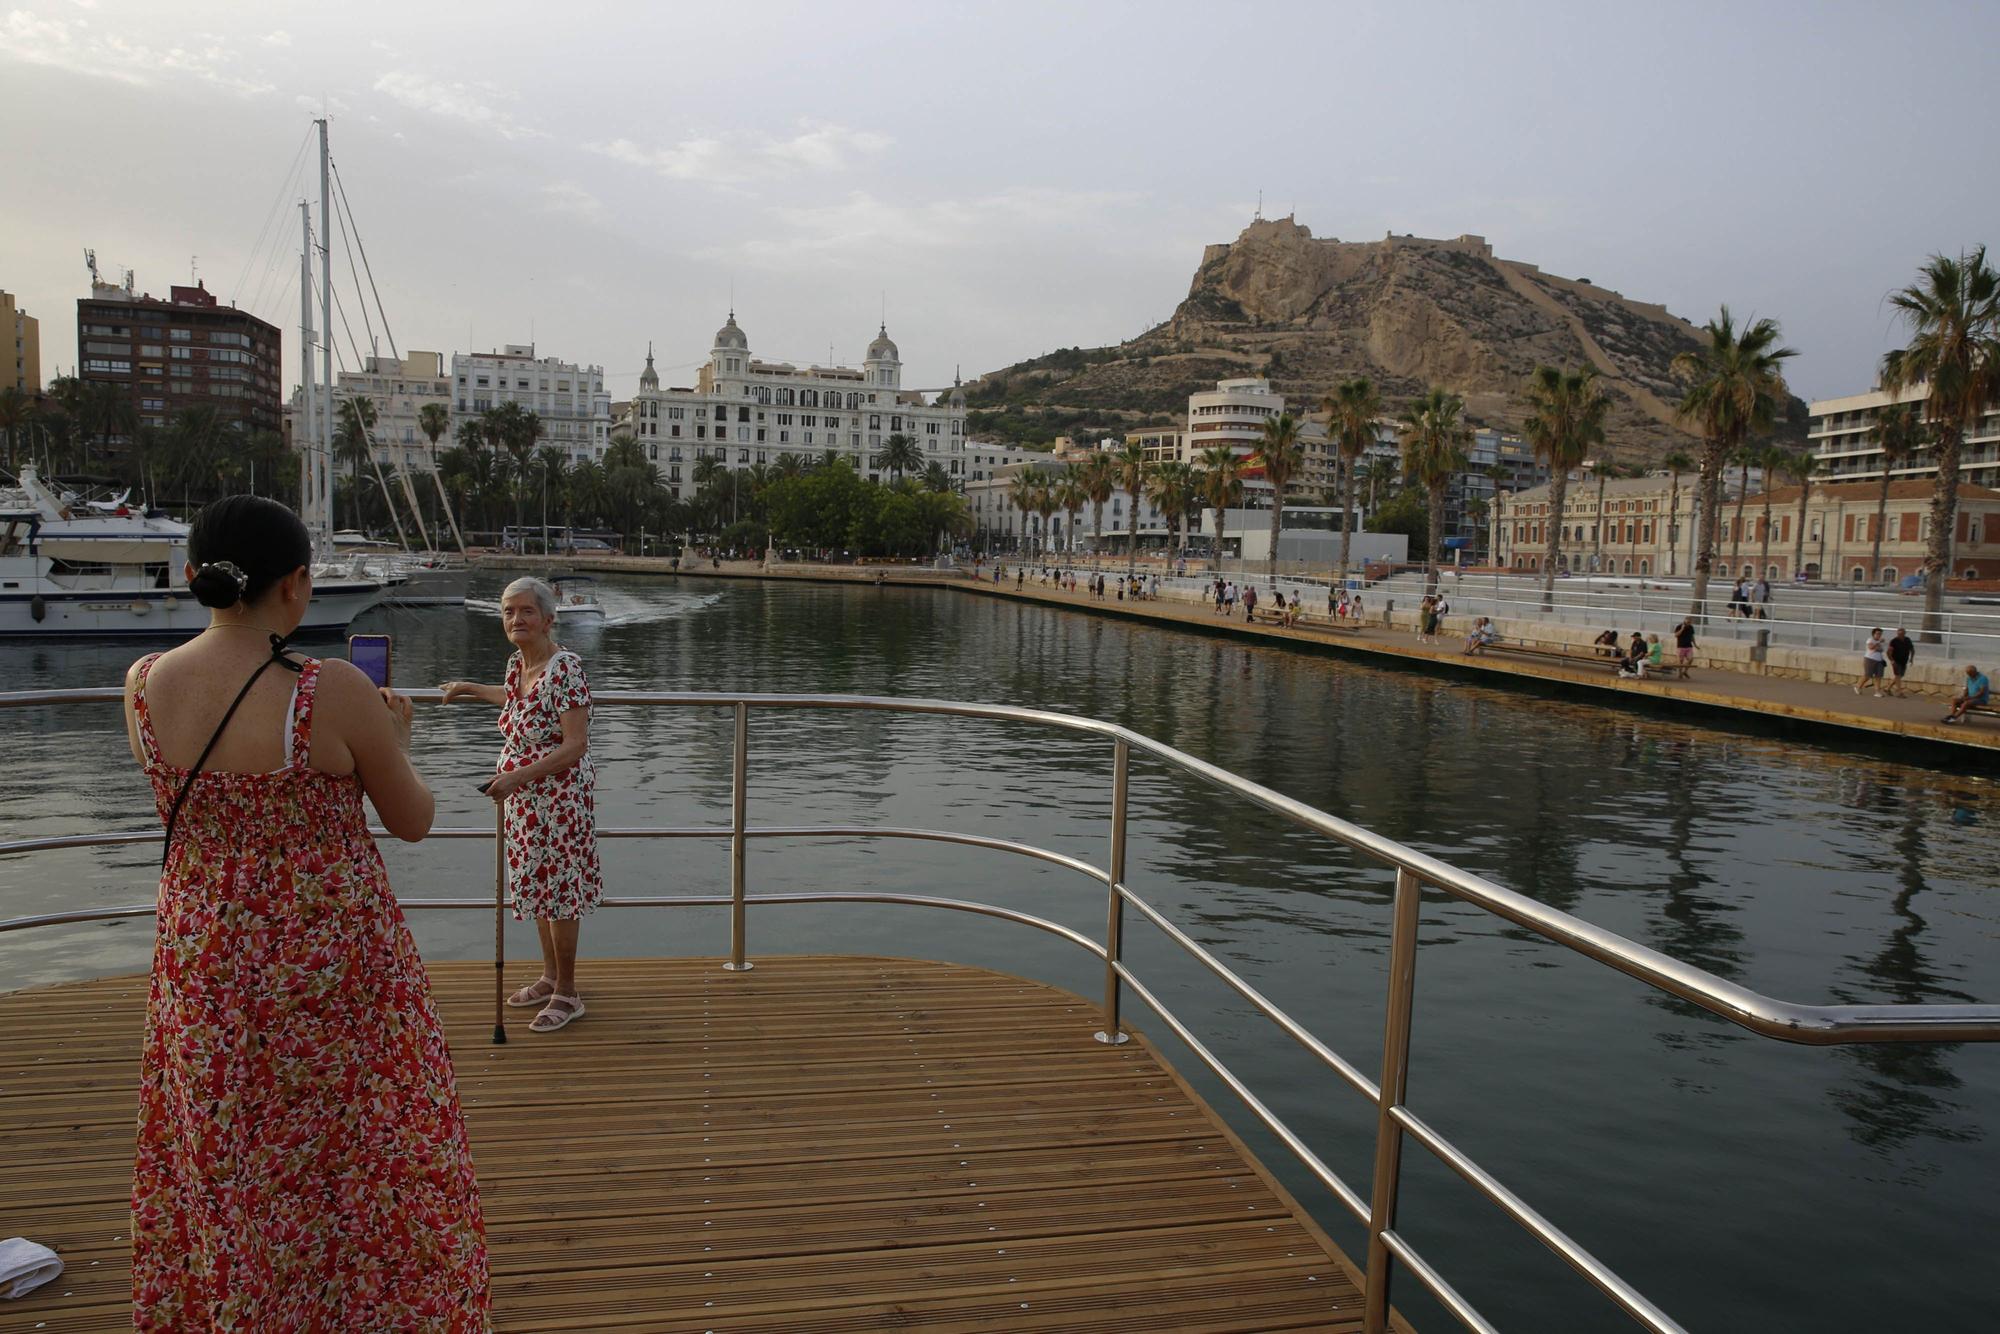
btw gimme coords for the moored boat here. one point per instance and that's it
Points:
(112, 568)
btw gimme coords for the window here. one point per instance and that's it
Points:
(176, 335)
(742, 456)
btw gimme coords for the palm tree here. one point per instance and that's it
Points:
(1434, 437)
(16, 410)
(1385, 475)
(1954, 315)
(1735, 384)
(1099, 477)
(790, 465)
(1770, 459)
(1023, 491)
(1351, 410)
(350, 437)
(1748, 456)
(109, 412)
(1676, 463)
(1131, 466)
(1047, 502)
(1071, 496)
(1898, 432)
(936, 478)
(1174, 492)
(1800, 466)
(434, 419)
(1222, 487)
(899, 454)
(1564, 422)
(826, 458)
(1282, 456)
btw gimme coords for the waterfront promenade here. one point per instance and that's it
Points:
(1735, 693)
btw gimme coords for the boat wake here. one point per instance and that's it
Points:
(619, 609)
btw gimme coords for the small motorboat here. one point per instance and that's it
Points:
(576, 598)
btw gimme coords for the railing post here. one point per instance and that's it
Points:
(1395, 1080)
(738, 841)
(1114, 923)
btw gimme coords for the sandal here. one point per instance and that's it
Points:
(550, 1019)
(535, 993)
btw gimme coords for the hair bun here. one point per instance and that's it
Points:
(218, 585)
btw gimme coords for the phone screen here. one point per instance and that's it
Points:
(371, 654)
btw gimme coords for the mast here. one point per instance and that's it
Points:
(326, 346)
(304, 438)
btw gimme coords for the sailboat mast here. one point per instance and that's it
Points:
(326, 345)
(305, 438)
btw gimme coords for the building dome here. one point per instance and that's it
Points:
(731, 336)
(882, 349)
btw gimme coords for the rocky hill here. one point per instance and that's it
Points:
(1407, 311)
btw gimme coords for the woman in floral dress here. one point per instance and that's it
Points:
(302, 1159)
(546, 778)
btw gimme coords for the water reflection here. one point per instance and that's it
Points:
(1803, 871)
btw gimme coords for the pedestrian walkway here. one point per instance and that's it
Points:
(1817, 704)
(1813, 702)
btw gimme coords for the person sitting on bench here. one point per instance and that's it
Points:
(1483, 636)
(1607, 644)
(1633, 662)
(1978, 694)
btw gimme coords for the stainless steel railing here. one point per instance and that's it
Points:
(1388, 1246)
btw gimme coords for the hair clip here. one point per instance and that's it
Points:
(230, 568)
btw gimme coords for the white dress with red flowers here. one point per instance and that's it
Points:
(552, 863)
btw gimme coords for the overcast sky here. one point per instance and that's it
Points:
(1006, 178)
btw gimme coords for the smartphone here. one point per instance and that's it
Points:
(371, 654)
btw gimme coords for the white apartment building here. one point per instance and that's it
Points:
(743, 412)
(999, 525)
(983, 456)
(570, 399)
(1840, 435)
(399, 390)
(1233, 413)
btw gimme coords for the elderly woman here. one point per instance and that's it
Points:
(547, 782)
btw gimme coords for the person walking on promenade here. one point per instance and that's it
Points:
(1250, 603)
(1684, 645)
(1901, 650)
(548, 782)
(1874, 658)
(1354, 608)
(1221, 598)
(1426, 619)
(1978, 693)
(302, 1159)
(1763, 599)
(1739, 600)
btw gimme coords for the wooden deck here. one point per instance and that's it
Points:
(820, 1145)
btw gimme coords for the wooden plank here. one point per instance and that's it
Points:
(823, 1144)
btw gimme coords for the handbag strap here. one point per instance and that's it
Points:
(187, 784)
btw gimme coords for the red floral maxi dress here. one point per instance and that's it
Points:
(552, 863)
(302, 1162)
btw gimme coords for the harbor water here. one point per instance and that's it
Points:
(1741, 1183)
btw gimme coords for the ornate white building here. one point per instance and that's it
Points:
(743, 412)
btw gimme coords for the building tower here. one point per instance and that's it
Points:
(731, 354)
(884, 367)
(649, 379)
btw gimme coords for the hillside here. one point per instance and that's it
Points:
(1406, 311)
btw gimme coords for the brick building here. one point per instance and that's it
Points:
(184, 352)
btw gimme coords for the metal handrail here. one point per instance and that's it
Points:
(1414, 870)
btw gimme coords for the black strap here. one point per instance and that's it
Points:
(187, 784)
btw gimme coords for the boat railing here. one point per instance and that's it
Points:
(1387, 1244)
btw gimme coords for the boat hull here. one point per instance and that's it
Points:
(156, 613)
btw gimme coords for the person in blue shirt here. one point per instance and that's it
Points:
(1978, 692)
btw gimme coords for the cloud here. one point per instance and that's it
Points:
(863, 228)
(564, 197)
(740, 159)
(75, 48)
(277, 38)
(474, 104)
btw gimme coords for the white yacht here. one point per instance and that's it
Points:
(113, 568)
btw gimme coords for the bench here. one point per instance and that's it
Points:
(1561, 653)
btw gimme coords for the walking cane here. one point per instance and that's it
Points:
(499, 920)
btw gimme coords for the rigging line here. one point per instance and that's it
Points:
(277, 202)
(354, 273)
(276, 251)
(368, 268)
